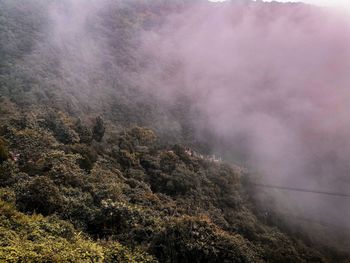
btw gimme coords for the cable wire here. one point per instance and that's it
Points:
(301, 190)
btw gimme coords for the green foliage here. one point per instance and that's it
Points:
(63, 168)
(88, 155)
(85, 134)
(143, 136)
(62, 127)
(40, 195)
(178, 206)
(123, 220)
(189, 239)
(113, 179)
(137, 139)
(116, 253)
(39, 239)
(98, 129)
(4, 153)
(30, 144)
(9, 174)
(8, 195)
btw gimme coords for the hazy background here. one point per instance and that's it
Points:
(264, 85)
(271, 84)
(329, 3)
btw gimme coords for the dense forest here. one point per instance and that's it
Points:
(97, 164)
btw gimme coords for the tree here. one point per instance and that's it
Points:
(98, 129)
(41, 195)
(85, 134)
(4, 153)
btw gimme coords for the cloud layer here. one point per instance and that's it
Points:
(271, 82)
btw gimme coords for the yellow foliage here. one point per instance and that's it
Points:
(38, 239)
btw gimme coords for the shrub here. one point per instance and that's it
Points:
(85, 134)
(40, 195)
(88, 154)
(62, 127)
(98, 129)
(195, 239)
(63, 168)
(37, 239)
(143, 136)
(7, 195)
(117, 253)
(4, 153)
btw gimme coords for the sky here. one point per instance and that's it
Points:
(336, 3)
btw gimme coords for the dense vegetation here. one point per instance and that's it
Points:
(169, 202)
(81, 182)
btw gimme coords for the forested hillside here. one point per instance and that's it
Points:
(97, 164)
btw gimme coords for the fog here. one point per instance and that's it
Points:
(269, 82)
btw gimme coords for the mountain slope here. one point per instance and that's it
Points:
(96, 168)
(171, 202)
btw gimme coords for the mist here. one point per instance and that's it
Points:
(267, 81)
(270, 83)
